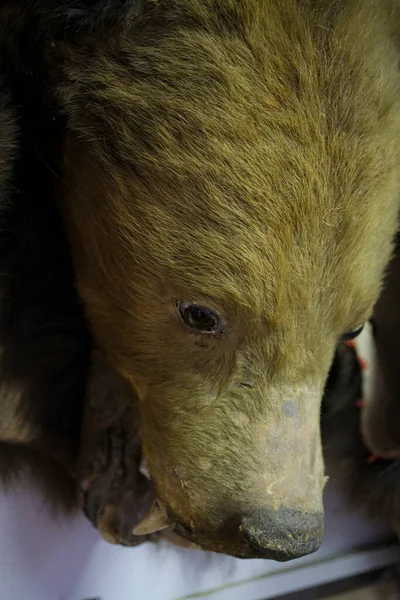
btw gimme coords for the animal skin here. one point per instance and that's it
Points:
(45, 345)
(239, 157)
(111, 457)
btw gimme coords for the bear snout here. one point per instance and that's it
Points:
(283, 535)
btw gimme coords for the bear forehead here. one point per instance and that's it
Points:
(247, 165)
(268, 221)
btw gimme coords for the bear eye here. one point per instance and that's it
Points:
(199, 318)
(351, 335)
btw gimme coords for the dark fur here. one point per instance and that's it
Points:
(45, 339)
(43, 335)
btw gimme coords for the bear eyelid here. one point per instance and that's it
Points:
(200, 319)
(351, 335)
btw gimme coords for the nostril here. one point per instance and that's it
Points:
(283, 535)
(183, 530)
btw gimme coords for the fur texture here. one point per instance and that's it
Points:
(45, 344)
(242, 156)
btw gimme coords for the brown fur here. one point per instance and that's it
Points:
(44, 344)
(116, 494)
(242, 155)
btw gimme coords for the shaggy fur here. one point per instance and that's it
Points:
(242, 155)
(241, 170)
(44, 340)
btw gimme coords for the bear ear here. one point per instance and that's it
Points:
(76, 16)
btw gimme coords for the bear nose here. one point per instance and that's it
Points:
(284, 534)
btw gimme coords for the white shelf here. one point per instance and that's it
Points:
(56, 559)
(300, 578)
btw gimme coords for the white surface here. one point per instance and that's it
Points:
(303, 576)
(42, 558)
(54, 559)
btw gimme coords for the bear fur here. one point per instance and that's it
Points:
(45, 344)
(240, 156)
